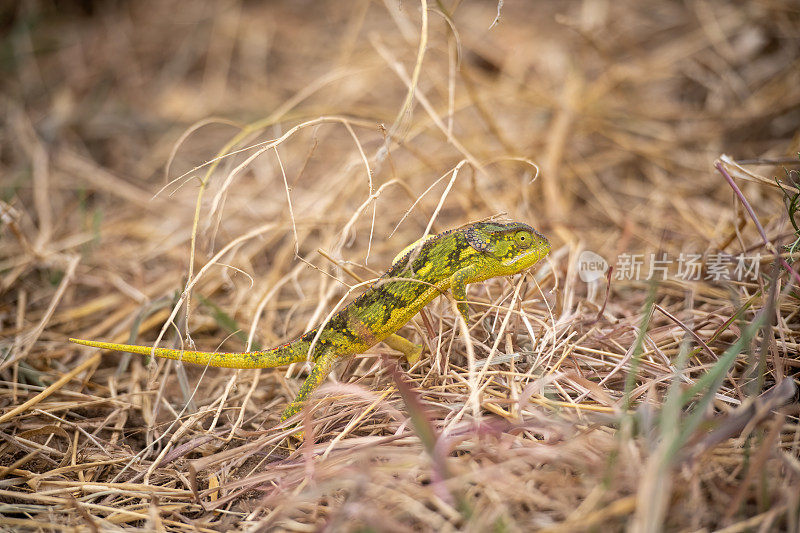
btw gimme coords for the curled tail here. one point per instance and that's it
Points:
(282, 355)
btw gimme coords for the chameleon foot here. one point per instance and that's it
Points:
(411, 351)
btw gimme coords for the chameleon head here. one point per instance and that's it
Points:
(511, 247)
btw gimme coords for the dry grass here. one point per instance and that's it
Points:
(569, 405)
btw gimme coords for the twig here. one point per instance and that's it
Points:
(771, 247)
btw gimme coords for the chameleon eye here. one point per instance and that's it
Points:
(523, 239)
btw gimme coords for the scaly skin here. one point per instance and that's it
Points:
(426, 269)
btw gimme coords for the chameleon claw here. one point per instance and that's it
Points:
(411, 351)
(290, 411)
(414, 355)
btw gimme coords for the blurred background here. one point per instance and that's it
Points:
(264, 151)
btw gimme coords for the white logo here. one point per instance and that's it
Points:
(591, 266)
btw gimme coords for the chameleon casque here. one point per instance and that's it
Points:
(424, 270)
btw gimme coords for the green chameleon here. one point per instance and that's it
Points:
(424, 270)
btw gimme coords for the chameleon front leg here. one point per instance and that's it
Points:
(412, 351)
(322, 367)
(458, 286)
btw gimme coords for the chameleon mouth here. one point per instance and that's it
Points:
(529, 258)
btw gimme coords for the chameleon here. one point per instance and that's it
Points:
(421, 272)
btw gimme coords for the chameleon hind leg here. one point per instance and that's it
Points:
(411, 351)
(322, 367)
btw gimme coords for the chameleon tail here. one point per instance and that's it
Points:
(279, 356)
